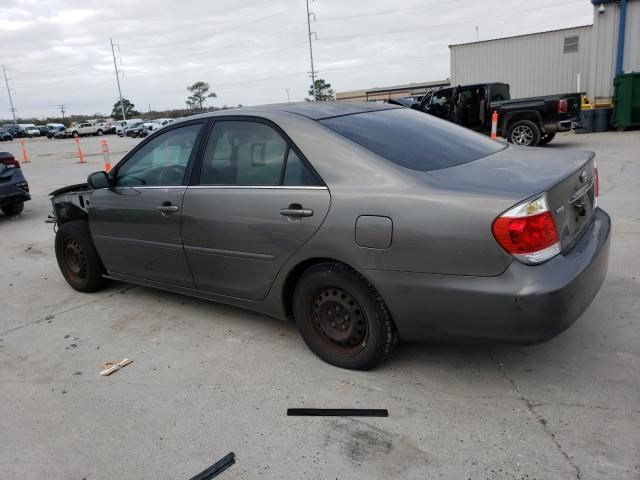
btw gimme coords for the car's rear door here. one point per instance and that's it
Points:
(255, 201)
(136, 224)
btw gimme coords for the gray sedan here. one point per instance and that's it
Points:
(363, 223)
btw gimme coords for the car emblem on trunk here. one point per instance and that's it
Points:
(583, 176)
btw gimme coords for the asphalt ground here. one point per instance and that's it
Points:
(209, 379)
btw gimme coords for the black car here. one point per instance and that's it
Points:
(56, 131)
(43, 129)
(16, 131)
(14, 189)
(5, 135)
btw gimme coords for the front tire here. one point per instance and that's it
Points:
(342, 318)
(99, 133)
(78, 258)
(13, 210)
(524, 133)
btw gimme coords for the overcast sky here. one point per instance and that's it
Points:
(58, 51)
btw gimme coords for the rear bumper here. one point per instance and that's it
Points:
(12, 194)
(525, 304)
(561, 126)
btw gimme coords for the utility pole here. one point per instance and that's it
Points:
(477, 33)
(313, 72)
(288, 96)
(62, 107)
(115, 65)
(13, 110)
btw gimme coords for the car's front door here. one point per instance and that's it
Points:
(255, 203)
(136, 223)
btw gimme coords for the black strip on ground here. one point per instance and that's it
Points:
(217, 468)
(337, 412)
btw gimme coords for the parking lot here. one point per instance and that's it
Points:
(208, 379)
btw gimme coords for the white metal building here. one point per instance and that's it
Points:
(581, 58)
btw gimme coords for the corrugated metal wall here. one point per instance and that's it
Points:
(605, 45)
(532, 64)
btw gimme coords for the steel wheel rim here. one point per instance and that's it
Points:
(339, 321)
(522, 135)
(74, 260)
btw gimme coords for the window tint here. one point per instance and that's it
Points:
(499, 93)
(243, 153)
(412, 139)
(162, 161)
(297, 173)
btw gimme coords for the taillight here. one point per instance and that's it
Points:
(563, 106)
(9, 161)
(528, 232)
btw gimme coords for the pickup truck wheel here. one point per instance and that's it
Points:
(524, 132)
(77, 257)
(341, 317)
(546, 138)
(13, 209)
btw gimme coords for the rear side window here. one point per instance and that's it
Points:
(413, 139)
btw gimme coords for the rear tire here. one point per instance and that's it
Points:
(524, 133)
(78, 258)
(546, 138)
(99, 133)
(13, 210)
(342, 318)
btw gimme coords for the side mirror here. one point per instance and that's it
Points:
(98, 180)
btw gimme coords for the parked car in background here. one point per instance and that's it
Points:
(16, 131)
(524, 121)
(54, 129)
(85, 128)
(5, 135)
(31, 129)
(14, 189)
(130, 129)
(110, 127)
(163, 122)
(42, 129)
(141, 130)
(363, 222)
(122, 124)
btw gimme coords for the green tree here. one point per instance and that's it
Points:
(199, 94)
(128, 109)
(324, 92)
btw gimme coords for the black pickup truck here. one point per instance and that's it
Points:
(524, 121)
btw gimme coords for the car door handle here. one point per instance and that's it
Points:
(167, 209)
(296, 210)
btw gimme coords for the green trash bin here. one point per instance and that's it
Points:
(626, 101)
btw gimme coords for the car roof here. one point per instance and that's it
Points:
(312, 110)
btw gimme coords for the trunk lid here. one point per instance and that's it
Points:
(516, 174)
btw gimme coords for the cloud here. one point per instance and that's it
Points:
(249, 51)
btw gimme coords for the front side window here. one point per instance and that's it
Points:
(161, 161)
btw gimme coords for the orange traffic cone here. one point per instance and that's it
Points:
(25, 157)
(494, 124)
(80, 154)
(105, 154)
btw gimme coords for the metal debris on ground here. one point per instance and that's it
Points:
(337, 412)
(109, 367)
(217, 468)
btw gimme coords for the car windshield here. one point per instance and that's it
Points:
(412, 139)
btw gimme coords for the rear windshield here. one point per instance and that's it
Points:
(413, 139)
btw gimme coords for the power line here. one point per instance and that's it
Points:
(113, 52)
(313, 72)
(6, 81)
